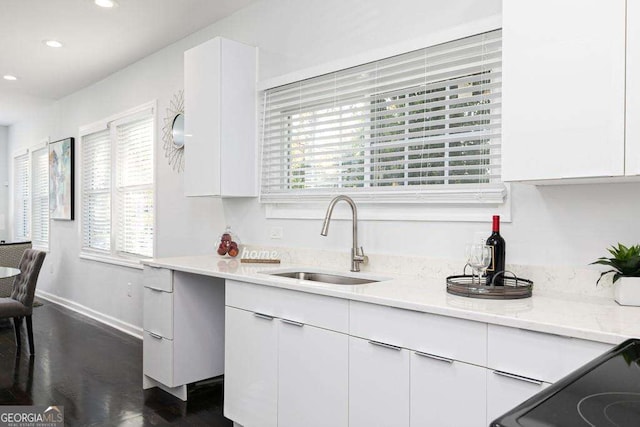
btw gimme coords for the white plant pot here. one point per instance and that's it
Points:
(626, 291)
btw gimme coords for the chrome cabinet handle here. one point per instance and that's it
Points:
(154, 335)
(263, 316)
(518, 377)
(292, 322)
(154, 289)
(385, 345)
(434, 357)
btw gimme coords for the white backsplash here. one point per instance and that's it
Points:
(546, 279)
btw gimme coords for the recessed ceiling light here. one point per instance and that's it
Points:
(105, 3)
(9, 77)
(53, 43)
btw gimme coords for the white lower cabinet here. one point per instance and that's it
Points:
(297, 359)
(446, 392)
(281, 368)
(505, 391)
(251, 368)
(183, 324)
(313, 384)
(521, 363)
(379, 377)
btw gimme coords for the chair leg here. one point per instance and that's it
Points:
(17, 324)
(30, 334)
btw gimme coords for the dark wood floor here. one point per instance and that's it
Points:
(95, 372)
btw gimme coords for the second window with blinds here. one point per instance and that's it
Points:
(117, 187)
(420, 126)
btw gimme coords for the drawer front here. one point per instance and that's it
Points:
(157, 358)
(158, 312)
(458, 339)
(158, 278)
(317, 310)
(505, 392)
(538, 355)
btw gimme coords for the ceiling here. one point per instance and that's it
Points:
(96, 43)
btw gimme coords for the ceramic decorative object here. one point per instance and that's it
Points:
(626, 291)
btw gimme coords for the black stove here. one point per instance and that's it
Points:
(603, 393)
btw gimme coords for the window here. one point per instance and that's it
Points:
(21, 197)
(31, 196)
(40, 197)
(117, 208)
(424, 125)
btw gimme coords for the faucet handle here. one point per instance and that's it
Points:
(360, 256)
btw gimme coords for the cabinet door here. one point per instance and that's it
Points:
(563, 89)
(447, 393)
(250, 385)
(219, 119)
(313, 377)
(202, 123)
(378, 384)
(157, 358)
(506, 391)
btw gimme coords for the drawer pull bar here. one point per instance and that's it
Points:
(263, 316)
(154, 289)
(518, 377)
(385, 345)
(156, 336)
(292, 322)
(434, 357)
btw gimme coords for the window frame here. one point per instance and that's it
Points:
(452, 205)
(113, 256)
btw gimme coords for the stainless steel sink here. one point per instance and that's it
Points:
(334, 279)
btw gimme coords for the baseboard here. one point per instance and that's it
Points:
(125, 327)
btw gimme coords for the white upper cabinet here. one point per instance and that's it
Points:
(632, 159)
(564, 90)
(220, 124)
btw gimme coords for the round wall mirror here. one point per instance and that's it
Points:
(177, 130)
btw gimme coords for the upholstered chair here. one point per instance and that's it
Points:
(10, 256)
(20, 304)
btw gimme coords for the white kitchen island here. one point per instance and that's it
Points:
(293, 349)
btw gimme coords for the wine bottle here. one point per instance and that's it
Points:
(497, 245)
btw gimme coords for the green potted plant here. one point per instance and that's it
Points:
(626, 273)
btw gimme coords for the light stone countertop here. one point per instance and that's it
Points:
(587, 317)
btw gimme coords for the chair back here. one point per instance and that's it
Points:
(10, 256)
(24, 285)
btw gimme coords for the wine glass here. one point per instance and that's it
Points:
(478, 258)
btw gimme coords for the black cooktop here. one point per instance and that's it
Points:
(603, 393)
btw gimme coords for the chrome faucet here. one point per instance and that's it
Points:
(357, 253)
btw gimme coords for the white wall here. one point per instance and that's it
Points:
(4, 178)
(555, 225)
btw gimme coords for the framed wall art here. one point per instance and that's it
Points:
(61, 179)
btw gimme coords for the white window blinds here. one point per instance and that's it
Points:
(410, 124)
(134, 187)
(40, 197)
(117, 187)
(21, 197)
(96, 191)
